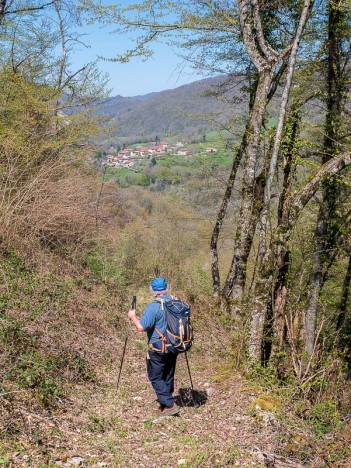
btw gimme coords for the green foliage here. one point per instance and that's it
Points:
(183, 110)
(15, 337)
(148, 424)
(117, 172)
(5, 460)
(107, 268)
(162, 174)
(266, 403)
(142, 245)
(38, 373)
(31, 370)
(27, 362)
(166, 176)
(141, 180)
(325, 417)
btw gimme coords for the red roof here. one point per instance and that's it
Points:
(156, 148)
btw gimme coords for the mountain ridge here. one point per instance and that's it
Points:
(188, 111)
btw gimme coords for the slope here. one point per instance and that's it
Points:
(185, 111)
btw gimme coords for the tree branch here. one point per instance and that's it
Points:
(268, 51)
(254, 54)
(284, 102)
(23, 10)
(332, 167)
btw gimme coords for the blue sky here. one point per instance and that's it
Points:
(164, 70)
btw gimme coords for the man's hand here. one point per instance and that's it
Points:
(131, 314)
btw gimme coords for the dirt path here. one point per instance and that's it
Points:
(101, 429)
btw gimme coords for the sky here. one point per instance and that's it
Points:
(164, 70)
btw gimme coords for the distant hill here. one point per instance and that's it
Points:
(181, 112)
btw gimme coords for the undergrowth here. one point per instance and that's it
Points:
(43, 347)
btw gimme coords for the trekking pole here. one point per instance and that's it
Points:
(125, 344)
(195, 404)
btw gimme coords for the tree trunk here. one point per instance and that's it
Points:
(235, 281)
(269, 259)
(280, 126)
(326, 230)
(281, 289)
(227, 196)
(280, 243)
(344, 297)
(2, 9)
(220, 218)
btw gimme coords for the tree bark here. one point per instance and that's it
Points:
(325, 233)
(344, 297)
(281, 289)
(263, 287)
(279, 132)
(221, 215)
(280, 246)
(230, 184)
(2, 8)
(227, 196)
(265, 59)
(236, 278)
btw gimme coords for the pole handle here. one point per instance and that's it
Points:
(134, 302)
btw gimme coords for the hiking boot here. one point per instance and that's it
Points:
(168, 412)
(161, 407)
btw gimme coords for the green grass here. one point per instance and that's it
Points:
(218, 159)
(173, 160)
(142, 143)
(117, 172)
(216, 137)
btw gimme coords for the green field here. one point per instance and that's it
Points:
(115, 172)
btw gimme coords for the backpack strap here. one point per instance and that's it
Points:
(163, 340)
(162, 302)
(162, 337)
(164, 345)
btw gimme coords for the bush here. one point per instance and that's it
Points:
(47, 194)
(167, 176)
(325, 417)
(107, 268)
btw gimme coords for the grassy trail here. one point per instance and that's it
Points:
(100, 428)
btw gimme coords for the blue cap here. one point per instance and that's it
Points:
(159, 284)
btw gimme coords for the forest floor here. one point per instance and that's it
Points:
(98, 427)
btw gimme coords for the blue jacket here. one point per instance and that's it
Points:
(154, 317)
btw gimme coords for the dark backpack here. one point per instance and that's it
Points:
(178, 337)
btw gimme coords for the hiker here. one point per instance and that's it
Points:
(160, 365)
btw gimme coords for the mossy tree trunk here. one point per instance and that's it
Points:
(326, 233)
(272, 258)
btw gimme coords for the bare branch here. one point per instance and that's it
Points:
(23, 10)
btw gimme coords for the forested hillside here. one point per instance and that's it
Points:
(186, 112)
(249, 222)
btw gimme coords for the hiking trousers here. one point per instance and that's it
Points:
(160, 370)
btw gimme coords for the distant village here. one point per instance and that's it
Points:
(130, 156)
